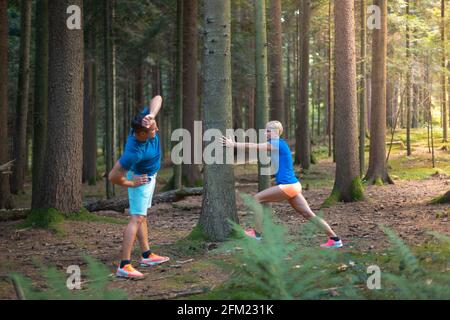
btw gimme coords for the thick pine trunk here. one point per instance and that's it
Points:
(191, 172)
(41, 100)
(276, 62)
(63, 161)
(20, 138)
(6, 200)
(347, 185)
(262, 95)
(377, 172)
(219, 199)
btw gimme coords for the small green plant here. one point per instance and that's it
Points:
(56, 288)
(412, 280)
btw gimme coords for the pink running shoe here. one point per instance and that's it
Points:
(129, 272)
(332, 244)
(252, 234)
(153, 260)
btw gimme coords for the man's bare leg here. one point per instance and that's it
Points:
(142, 236)
(129, 236)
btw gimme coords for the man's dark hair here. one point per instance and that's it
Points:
(136, 124)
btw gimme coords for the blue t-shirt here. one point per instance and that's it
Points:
(142, 157)
(283, 161)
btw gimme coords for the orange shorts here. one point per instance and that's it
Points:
(291, 190)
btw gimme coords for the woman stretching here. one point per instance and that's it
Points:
(288, 186)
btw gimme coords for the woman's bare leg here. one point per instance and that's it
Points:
(274, 194)
(300, 205)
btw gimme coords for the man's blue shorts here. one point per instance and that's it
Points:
(140, 198)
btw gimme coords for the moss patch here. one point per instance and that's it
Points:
(357, 189)
(441, 199)
(44, 218)
(197, 234)
(334, 198)
(85, 215)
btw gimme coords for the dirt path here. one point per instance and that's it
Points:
(402, 207)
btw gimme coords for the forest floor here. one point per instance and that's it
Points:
(402, 207)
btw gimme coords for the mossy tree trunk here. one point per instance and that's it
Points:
(219, 199)
(348, 185)
(377, 172)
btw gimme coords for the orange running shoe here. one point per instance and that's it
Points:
(153, 260)
(129, 272)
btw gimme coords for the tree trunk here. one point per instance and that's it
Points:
(362, 89)
(276, 62)
(251, 108)
(330, 112)
(287, 114)
(416, 101)
(348, 183)
(408, 84)
(41, 100)
(109, 95)
(120, 204)
(443, 77)
(139, 100)
(178, 109)
(303, 138)
(63, 161)
(6, 200)
(191, 172)
(20, 138)
(377, 172)
(262, 98)
(90, 105)
(219, 199)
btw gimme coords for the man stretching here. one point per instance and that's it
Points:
(137, 170)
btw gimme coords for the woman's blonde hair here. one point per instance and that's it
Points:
(277, 126)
